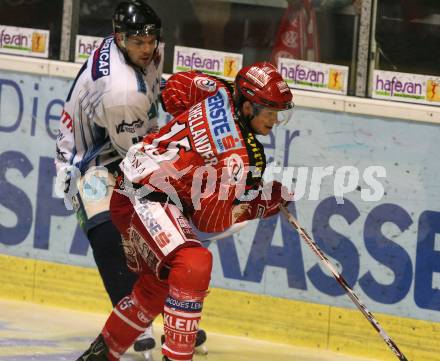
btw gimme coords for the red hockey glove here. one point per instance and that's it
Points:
(266, 204)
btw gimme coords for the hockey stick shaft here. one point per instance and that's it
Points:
(368, 315)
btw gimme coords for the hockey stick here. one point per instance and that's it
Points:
(229, 232)
(368, 315)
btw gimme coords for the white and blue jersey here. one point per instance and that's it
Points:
(110, 106)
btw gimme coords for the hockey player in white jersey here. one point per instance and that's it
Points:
(112, 104)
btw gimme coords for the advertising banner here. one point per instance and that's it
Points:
(366, 190)
(24, 41)
(405, 87)
(84, 47)
(218, 63)
(308, 75)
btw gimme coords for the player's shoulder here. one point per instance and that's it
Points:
(201, 80)
(100, 59)
(221, 98)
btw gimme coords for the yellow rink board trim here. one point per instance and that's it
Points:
(233, 312)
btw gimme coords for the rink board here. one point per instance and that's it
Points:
(233, 312)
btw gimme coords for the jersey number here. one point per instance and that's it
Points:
(159, 152)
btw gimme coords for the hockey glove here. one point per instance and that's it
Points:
(66, 184)
(266, 204)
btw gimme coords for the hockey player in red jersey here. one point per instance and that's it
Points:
(205, 166)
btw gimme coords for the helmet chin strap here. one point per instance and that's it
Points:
(239, 101)
(122, 45)
(246, 119)
(256, 109)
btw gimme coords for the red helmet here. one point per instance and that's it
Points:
(261, 83)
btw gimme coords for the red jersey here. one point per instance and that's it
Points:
(203, 156)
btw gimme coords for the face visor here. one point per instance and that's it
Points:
(283, 114)
(147, 30)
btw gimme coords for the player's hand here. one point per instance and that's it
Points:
(267, 203)
(274, 195)
(65, 184)
(64, 179)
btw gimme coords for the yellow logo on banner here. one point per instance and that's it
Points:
(433, 91)
(230, 68)
(335, 80)
(38, 42)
